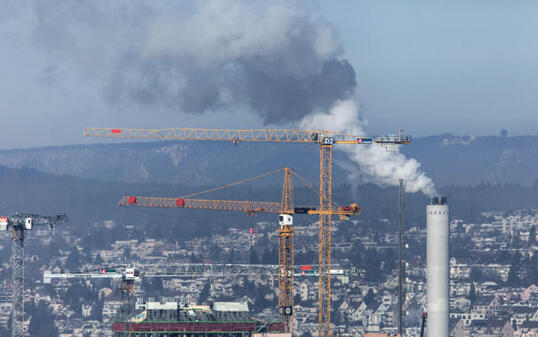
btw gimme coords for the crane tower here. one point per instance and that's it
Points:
(19, 224)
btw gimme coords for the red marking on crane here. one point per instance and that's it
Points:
(131, 200)
(115, 131)
(306, 267)
(251, 231)
(180, 202)
(362, 140)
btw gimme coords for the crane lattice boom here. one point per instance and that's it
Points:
(252, 135)
(187, 270)
(226, 205)
(249, 207)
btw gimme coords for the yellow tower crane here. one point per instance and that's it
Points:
(326, 139)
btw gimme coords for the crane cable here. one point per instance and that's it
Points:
(232, 184)
(310, 186)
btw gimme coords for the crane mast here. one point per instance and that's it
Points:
(324, 248)
(325, 138)
(17, 279)
(286, 242)
(19, 224)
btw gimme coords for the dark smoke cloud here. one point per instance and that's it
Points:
(271, 57)
(278, 99)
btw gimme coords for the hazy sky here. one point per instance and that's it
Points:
(466, 67)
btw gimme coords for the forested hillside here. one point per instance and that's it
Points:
(447, 159)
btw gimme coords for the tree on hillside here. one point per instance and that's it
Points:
(369, 298)
(254, 257)
(515, 264)
(74, 259)
(475, 274)
(472, 293)
(533, 270)
(41, 321)
(372, 266)
(205, 292)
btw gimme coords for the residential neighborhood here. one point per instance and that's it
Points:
(490, 294)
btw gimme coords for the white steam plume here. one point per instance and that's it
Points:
(375, 163)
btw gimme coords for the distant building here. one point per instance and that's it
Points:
(172, 318)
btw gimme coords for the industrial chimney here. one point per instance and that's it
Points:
(437, 262)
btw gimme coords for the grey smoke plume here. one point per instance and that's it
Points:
(270, 57)
(274, 58)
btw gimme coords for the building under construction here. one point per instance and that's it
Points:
(172, 318)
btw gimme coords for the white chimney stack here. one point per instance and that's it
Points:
(437, 267)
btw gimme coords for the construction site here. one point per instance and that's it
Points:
(326, 209)
(167, 318)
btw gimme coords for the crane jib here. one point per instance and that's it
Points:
(261, 135)
(324, 137)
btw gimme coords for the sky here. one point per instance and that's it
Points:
(466, 67)
(428, 67)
